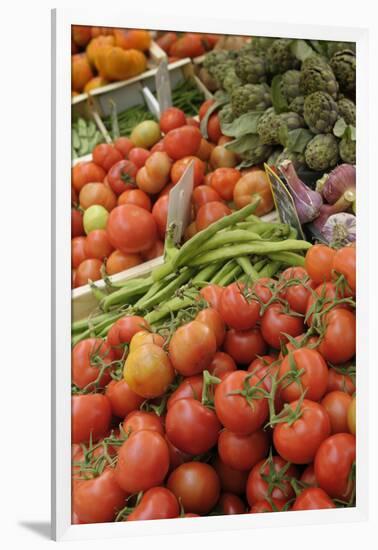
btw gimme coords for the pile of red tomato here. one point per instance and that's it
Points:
(248, 407)
(120, 197)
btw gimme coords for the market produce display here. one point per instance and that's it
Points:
(222, 381)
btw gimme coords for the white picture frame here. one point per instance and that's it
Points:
(61, 274)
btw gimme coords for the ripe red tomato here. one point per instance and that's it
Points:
(232, 481)
(124, 145)
(245, 412)
(192, 427)
(154, 252)
(344, 263)
(338, 380)
(77, 228)
(224, 180)
(212, 318)
(333, 465)
(121, 176)
(138, 156)
(176, 457)
(338, 344)
(78, 253)
(263, 287)
(210, 212)
(244, 345)
(271, 505)
(122, 399)
(212, 294)
(336, 403)
(179, 167)
(298, 442)
(143, 461)
(192, 348)
(172, 118)
(318, 262)
(97, 245)
(156, 503)
(87, 359)
(88, 270)
(324, 296)
(230, 504)
(221, 364)
(196, 485)
(190, 387)
(313, 498)
(297, 295)
(214, 129)
(119, 261)
(203, 194)
(314, 378)
(106, 155)
(97, 500)
(137, 421)
(86, 172)
(160, 215)
(251, 185)
(123, 330)
(97, 194)
(275, 323)
(271, 478)
(204, 151)
(91, 415)
(135, 196)
(237, 309)
(131, 229)
(182, 142)
(242, 452)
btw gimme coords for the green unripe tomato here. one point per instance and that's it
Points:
(95, 217)
(351, 416)
(146, 134)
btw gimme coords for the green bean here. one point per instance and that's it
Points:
(247, 249)
(245, 263)
(231, 276)
(227, 268)
(123, 295)
(78, 326)
(206, 273)
(288, 258)
(260, 264)
(194, 244)
(229, 237)
(175, 304)
(269, 269)
(167, 290)
(97, 329)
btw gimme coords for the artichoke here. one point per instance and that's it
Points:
(250, 97)
(268, 127)
(347, 110)
(322, 152)
(343, 64)
(316, 61)
(298, 159)
(225, 114)
(318, 78)
(280, 57)
(257, 155)
(347, 150)
(291, 120)
(230, 80)
(290, 84)
(297, 105)
(320, 112)
(219, 71)
(215, 57)
(334, 47)
(259, 44)
(250, 68)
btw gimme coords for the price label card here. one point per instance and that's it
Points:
(283, 201)
(163, 86)
(179, 203)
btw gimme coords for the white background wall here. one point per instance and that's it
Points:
(25, 272)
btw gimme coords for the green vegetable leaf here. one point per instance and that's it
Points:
(297, 140)
(245, 124)
(339, 127)
(243, 144)
(278, 99)
(301, 49)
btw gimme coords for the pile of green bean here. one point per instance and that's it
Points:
(238, 247)
(187, 97)
(127, 120)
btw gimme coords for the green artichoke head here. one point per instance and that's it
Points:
(290, 84)
(250, 68)
(214, 58)
(343, 64)
(230, 80)
(347, 110)
(297, 105)
(320, 112)
(268, 127)
(250, 97)
(334, 47)
(322, 152)
(318, 78)
(347, 150)
(280, 57)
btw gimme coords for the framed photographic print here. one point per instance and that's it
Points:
(206, 355)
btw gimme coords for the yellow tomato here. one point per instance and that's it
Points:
(351, 418)
(148, 371)
(144, 337)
